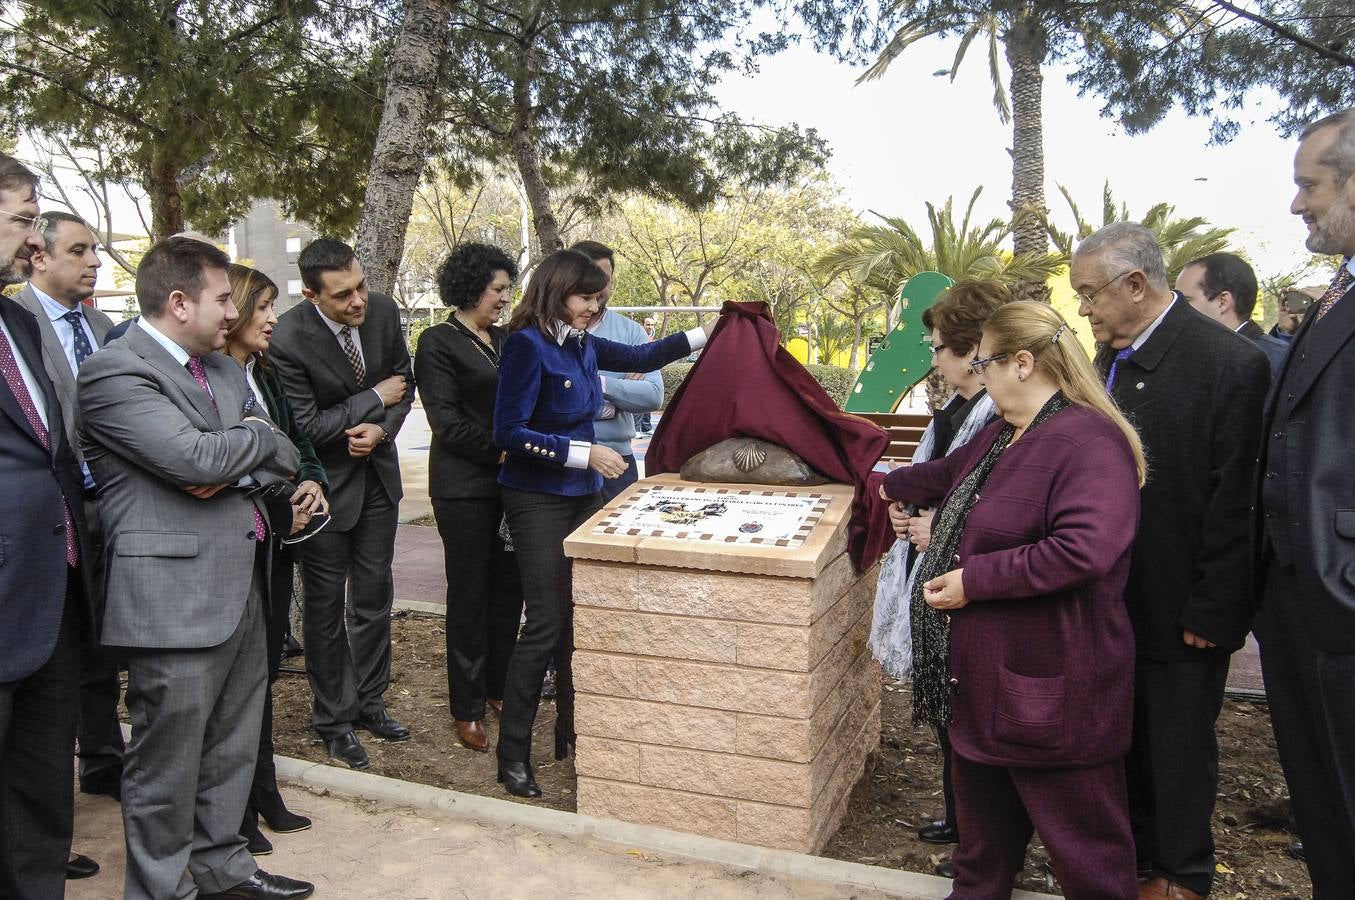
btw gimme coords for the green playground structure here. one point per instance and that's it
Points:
(905, 357)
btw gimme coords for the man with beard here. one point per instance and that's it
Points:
(1306, 526)
(43, 595)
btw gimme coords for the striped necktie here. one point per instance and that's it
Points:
(1115, 365)
(354, 357)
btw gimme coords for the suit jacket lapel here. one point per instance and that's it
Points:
(24, 345)
(373, 353)
(150, 350)
(1148, 356)
(1315, 346)
(99, 324)
(54, 355)
(230, 403)
(328, 351)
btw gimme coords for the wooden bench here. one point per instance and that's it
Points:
(905, 430)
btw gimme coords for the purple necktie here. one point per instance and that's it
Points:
(10, 366)
(1115, 365)
(1339, 285)
(199, 373)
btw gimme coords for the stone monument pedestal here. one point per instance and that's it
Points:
(723, 679)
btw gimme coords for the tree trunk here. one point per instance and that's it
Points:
(162, 186)
(523, 141)
(1027, 43)
(398, 159)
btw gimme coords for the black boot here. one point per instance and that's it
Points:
(268, 801)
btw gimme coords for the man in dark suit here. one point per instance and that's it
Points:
(177, 453)
(64, 273)
(346, 370)
(1223, 287)
(1194, 392)
(43, 592)
(1306, 526)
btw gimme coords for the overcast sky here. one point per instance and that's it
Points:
(911, 137)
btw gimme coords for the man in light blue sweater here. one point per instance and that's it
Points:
(624, 394)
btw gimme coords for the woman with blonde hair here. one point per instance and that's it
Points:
(1021, 641)
(247, 341)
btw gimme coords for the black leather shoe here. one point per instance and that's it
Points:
(79, 866)
(262, 886)
(945, 868)
(255, 842)
(517, 777)
(939, 833)
(384, 727)
(1295, 850)
(346, 749)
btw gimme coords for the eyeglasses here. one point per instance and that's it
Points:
(937, 348)
(1089, 299)
(33, 221)
(979, 366)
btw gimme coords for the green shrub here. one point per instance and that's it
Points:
(672, 377)
(836, 380)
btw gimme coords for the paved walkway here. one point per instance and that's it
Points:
(373, 850)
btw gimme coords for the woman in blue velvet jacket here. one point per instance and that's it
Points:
(548, 397)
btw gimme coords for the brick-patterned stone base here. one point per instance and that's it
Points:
(731, 703)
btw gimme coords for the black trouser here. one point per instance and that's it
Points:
(100, 744)
(1173, 765)
(484, 602)
(349, 667)
(947, 785)
(37, 794)
(277, 613)
(613, 486)
(540, 523)
(100, 734)
(1312, 710)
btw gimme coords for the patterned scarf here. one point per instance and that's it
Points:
(931, 627)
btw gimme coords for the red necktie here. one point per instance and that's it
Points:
(10, 366)
(199, 373)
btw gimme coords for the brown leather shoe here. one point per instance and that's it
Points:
(1161, 888)
(496, 705)
(472, 736)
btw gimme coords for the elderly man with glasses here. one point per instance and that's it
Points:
(1194, 391)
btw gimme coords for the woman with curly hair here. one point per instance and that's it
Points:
(457, 370)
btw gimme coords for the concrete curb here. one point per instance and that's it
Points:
(660, 840)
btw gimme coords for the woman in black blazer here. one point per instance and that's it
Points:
(247, 340)
(457, 369)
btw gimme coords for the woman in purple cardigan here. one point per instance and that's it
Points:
(1022, 643)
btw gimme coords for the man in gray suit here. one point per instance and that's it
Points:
(168, 433)
(64, 273)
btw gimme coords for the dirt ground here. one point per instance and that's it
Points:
(900, 793)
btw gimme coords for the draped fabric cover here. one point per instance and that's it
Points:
(746, 384)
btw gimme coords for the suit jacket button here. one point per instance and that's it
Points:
(249, 535)
(59, 529)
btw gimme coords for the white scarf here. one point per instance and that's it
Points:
(891, 630)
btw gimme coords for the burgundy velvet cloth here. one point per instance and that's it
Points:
(745, 384)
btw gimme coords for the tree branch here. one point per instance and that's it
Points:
(1288, 34)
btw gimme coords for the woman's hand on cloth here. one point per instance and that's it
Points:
(898, 518)
(310, 497)
(946, 591)
(920, 530)
(606, 461)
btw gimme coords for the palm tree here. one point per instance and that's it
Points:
(1025, 33)
(885, 256)
(1181, 239)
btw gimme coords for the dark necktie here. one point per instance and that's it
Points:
(19, 389)
(199, 373)
(1115, 365)
(351, 351)
(82, 347)
(1339, 285)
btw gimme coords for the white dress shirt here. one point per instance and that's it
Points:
(57, 312)
(30, 380)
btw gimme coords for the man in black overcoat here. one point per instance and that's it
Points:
(1194, 392)
(1305, 523)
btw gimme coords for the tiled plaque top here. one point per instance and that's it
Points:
(755, 529)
